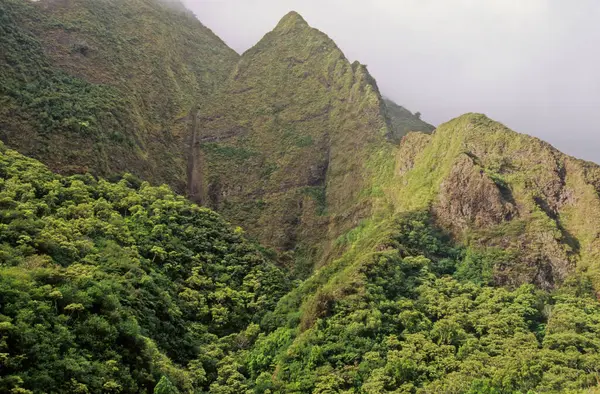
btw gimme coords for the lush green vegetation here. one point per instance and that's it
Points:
(399, 318)
(107, 287)
(123, 287)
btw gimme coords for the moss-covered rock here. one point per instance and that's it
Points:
(312, 120)
(494, 188)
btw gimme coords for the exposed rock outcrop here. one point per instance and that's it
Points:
(469, 198)
(494, 188)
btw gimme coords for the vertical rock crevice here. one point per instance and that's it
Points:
(195, 176)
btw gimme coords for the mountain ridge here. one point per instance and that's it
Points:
(527, 177)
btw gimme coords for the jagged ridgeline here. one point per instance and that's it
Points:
(105, 85)
(107, 287)
(290, 147)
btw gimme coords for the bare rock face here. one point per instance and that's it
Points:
(468, 198)
(472, 205)
(411, 145)
(541, 259)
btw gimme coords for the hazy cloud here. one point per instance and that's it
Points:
(533, 65)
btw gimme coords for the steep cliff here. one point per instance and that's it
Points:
(106, 86)
(284, 150)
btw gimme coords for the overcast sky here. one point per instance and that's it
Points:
(533, 65)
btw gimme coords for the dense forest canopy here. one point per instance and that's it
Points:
(106, 287)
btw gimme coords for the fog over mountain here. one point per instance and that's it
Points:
(531, 65)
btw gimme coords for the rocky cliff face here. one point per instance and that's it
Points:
(286, 140)
(496, 189)
(469, 198)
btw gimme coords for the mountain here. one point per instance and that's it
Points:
(533, 208)
(368, 251)
(261, 138)
(105, 86)
(481, 277)
(285, 148)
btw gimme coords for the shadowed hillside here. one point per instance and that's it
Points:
(105, 86)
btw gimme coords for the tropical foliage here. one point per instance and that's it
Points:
(464, 260)
(106, 287)
(396, 319)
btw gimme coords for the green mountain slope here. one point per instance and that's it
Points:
(285, 149)
(500, 191)
(106, 287)
(464, 259)
(105, 86)
(476, 273)
(392, 315)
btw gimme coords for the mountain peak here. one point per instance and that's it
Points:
(291, 20)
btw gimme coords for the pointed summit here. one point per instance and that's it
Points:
(290, 21)
(291, 38)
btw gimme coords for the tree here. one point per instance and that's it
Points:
(164, 386)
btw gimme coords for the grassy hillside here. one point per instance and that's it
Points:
(109, 287)
(105, 85)
(112, 86)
